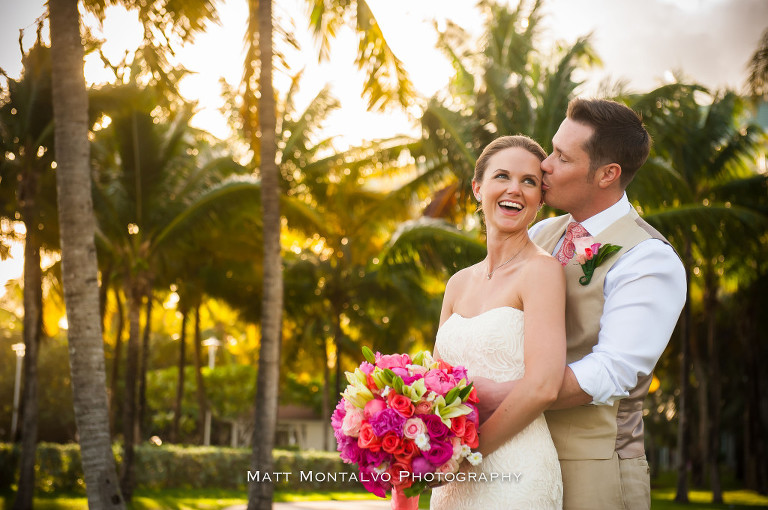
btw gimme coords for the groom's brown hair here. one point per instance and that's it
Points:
(619, 135)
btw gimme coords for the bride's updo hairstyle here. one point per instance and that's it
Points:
(506, 142)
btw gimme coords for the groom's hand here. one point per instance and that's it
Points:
(489, 395)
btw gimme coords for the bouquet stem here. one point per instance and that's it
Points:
(400, 501)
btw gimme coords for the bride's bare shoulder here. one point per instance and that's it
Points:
(460, 278)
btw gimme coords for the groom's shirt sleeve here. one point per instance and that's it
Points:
(644, 292)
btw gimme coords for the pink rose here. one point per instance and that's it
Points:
(450, 466)
(458, 425)
(368, 439)
(470, 435)
(392, 360)
(438, 381)
(586, 247)
(400, 403)
(423, 407)
(352, 421)
(410, 450)
(413, 427)
(457, 447)
(373, 407)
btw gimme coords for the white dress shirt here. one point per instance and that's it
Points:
(644, 292)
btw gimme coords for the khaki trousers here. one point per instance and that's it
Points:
(611, 484)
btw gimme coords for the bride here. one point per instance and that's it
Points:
(504, 318)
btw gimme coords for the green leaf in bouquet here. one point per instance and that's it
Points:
(451, 395)
(418, 358)
(464, 393)
(369, 356)
(398, 384)
(415, 489)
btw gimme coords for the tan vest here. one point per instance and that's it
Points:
(592, 431)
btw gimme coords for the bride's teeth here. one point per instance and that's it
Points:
(513, 205)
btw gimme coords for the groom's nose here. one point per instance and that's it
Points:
(546, 167)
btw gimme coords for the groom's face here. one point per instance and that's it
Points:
(566, 180)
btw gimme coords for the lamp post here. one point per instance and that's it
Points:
(19, 349)
(212, 343)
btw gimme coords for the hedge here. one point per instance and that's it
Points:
(59, 470)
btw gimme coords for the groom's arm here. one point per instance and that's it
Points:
(571, 394)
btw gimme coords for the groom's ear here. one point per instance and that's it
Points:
(608, 175)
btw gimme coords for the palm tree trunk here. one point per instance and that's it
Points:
(326, 402)
(702, 397)
(260, 494)
(131, 374)
(77, 226)
(141, 414)
(118, 356)
(710, 307)
(33, 322)
(202, 403)
(683, 423)
(180, 383)
(754, 441)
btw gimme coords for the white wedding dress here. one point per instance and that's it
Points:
(491, 345)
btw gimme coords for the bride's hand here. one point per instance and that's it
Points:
(489, 395)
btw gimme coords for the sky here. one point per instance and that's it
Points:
(640, 41)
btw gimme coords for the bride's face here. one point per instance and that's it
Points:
(510, 191)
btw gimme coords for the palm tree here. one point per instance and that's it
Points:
(704, 160)
(386, 78)
(154, 180)
(259, 125)
(757, 82)
(502, 86)
(27, 184)
(79, 265)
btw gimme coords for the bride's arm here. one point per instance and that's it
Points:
(543, 296)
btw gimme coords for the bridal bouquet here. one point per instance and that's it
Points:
(406, 422)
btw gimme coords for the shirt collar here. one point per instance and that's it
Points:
(604, 218)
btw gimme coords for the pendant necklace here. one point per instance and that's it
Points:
(489, 275)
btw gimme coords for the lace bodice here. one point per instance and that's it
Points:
(491, 345)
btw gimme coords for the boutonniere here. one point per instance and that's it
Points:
(591, 254)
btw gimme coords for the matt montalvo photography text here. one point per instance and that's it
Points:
(342, 476)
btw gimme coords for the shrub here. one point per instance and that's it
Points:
(59, 469)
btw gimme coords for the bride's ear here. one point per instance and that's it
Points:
(476, 191)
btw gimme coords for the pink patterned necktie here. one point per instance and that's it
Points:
(574, 231)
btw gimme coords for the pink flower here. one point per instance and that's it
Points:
(423, 407)
(413, 427)
(373, 407)
(421, 466)
(449, 466)
(352, 421)
(457, 448)
(392, 360)
(458, 425)
(586, 248)
(439, 453)
(417, 369)
(366, 368)
(386, 421)
(400, 403)
(435, 427)
(438, 381)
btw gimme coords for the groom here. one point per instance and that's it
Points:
(618, 324)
